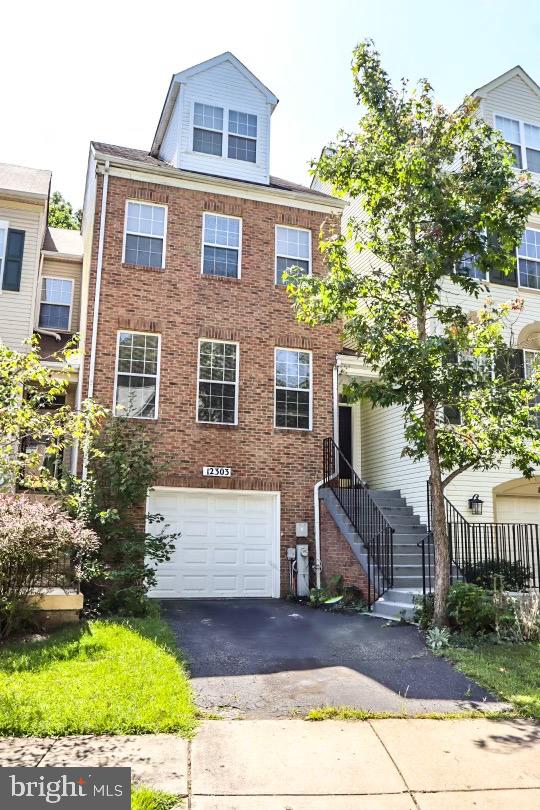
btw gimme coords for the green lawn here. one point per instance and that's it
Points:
(109, 677)
(143, 798)
(510, 670)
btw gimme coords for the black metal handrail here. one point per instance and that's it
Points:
(481, 550)
(369, 522)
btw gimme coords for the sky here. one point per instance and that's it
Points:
(79, 71)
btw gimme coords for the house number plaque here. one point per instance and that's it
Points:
(217, 472)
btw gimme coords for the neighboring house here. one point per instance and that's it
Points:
(40, 270)
(190, 330)
(373, 437)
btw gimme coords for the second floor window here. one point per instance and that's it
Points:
(137, 373)
(293, 389)
(145, 234)
(293, 249)
(208, 129)
(56, 302)
(529, 259)
(217, 396)
(524, 140)
(242, 136)
(221, 246)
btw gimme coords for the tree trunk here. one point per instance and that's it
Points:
(438, 519)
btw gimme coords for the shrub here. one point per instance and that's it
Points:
(471, 609)
(498, 574)
(34, 534)
(424, 607)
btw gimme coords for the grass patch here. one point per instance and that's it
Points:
(143, 798)
(107, 677)
(510, 670)
(348, 713)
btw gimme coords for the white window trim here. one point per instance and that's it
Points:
(527, 258)
(225, 133)
(158, 375)
(41, 301)
(236, 381)
(4, 226)
(522, 145)
(247, 137)
(298, 258)
(213, 244)
(132, 233)
(305, 351)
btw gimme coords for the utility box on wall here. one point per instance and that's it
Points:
(302, 570)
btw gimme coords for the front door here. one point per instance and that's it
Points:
(345, 440)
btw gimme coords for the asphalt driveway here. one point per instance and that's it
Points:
(268, 657)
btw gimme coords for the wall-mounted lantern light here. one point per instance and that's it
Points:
(475, 504)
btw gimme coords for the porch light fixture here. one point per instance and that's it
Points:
(475, 504)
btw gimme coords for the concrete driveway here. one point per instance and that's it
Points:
(271, 658)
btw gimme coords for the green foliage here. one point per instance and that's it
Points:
(117, 578)
(104, 678)
(28, 394)
(334, 586)
(471, 609)
(496, 574)
(145, 798)
(61, 214)
(437, 638)
(423, 610)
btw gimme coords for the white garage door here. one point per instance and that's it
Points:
(517, 509)
(229, 543)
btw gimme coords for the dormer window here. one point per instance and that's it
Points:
(524, 140)
(242, 136)
(208, 129)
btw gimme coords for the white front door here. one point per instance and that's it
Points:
(229, 544)
(517, 509)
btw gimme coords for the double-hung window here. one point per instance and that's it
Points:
(137, 375)
(208, 129)
(293, 389)
(144, 239)
(217, 385)
(531, 364)
(222, 238)
(242, 144)
(56, 303)
(293, 249)
(524, 139)
(529, 259)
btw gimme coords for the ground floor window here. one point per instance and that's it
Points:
(137, 373)
(217, 387)
(293, 389)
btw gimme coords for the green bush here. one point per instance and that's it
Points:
(424, 607)
(498, 574)
(471, 609)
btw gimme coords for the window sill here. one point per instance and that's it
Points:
(143, 267)
(220, 425)
(208, 277)
(302, 431)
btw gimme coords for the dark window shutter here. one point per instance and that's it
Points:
(13, 261)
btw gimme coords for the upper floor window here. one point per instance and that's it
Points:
(208, 129)
(217, 387)
(56, 303)
(137, 375)
(529, 259)
(524, 140)
(293, 389)
(242, 136)
(144, 237)
(293, 249)
(221, 246)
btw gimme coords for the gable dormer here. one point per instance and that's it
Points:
(216, 120)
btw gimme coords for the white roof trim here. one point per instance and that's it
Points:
(482, 92)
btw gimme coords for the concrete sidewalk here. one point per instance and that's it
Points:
(296, 765)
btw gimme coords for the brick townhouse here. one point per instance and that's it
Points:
(189, 328)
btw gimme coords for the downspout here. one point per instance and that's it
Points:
(95, 316)
(319, 484)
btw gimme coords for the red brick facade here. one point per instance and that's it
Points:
(182, 306)
(337, 556)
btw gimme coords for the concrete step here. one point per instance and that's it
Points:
(395, 510)
(397, 521)
(403, 558)
(385, 493)
(394, 611)
(404, 596)
(408, 583)
(414, 570)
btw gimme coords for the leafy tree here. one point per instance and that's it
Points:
(29, 393)
(438, 190)
(61, 214)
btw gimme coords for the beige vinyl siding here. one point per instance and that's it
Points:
(17, 308)
(58, 268)
(515, 99)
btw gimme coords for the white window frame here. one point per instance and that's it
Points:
(212, 244)
(304, 351)
(247, 137)
(522, 145)
(4, 226)
(224, 132)
(133, 233)
(41, 301)
(158, 375)
(236, 381)
(527, 258)
(298, 258)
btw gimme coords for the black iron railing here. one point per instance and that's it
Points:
(369, 522)
(58, 572)
(504, 553)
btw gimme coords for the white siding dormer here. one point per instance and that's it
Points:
(216, 120)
